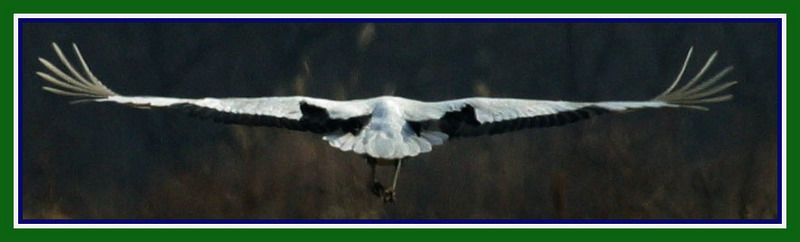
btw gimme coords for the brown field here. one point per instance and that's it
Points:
(99, 161)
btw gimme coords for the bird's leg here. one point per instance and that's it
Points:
(390, 194)
(375, 186)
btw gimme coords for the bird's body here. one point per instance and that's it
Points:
(388, 129)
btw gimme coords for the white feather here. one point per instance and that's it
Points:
(387, 134)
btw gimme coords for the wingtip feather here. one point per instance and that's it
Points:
(696, 91)
(74, 83)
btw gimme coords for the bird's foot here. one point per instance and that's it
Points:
(389, 195)
(377, 189)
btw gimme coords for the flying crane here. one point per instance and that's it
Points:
(387, 130)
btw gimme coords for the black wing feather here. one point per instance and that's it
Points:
(315, 119)
(464, 122)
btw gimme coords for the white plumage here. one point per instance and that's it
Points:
(388, 128)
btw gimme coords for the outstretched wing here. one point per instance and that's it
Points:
(296, 113)
(482, 116)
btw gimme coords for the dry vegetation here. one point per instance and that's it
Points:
(109, 162)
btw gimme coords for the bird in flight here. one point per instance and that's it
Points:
(387, 130)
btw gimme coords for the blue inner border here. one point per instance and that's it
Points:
(778, 220)
(397, 20)
(401, 221)
(780, 121)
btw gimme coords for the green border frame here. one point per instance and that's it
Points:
(363, 6)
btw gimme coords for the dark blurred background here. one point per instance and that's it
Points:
(105, 161)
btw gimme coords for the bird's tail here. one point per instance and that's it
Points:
(696, 92)
(76, 84)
